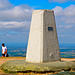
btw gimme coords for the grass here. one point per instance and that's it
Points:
(65, 73)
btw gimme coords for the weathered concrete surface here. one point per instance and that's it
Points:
(21, 62)
(43, 43)
(23, 66)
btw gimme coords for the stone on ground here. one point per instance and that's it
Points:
(23, 66)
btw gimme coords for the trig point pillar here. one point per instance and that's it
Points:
(43, 42)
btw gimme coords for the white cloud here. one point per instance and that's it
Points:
(60, 1)
(65, 26)
(61, 35)
(68, 26)
(5, 4)
(14, 17)
(70, 11)
(14, 26)
(14, 21)
(66, 15)
(58, 11)
(16, 13)
(65, 20)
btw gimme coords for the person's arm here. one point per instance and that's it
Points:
(6, 51)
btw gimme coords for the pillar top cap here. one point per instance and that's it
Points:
(44, 10)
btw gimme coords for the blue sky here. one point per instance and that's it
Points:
(15, 19)
(44, 4)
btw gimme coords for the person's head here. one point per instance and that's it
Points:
(3, 44)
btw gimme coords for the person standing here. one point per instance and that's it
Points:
(4, 50)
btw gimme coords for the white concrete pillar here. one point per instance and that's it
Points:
(43, 42)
